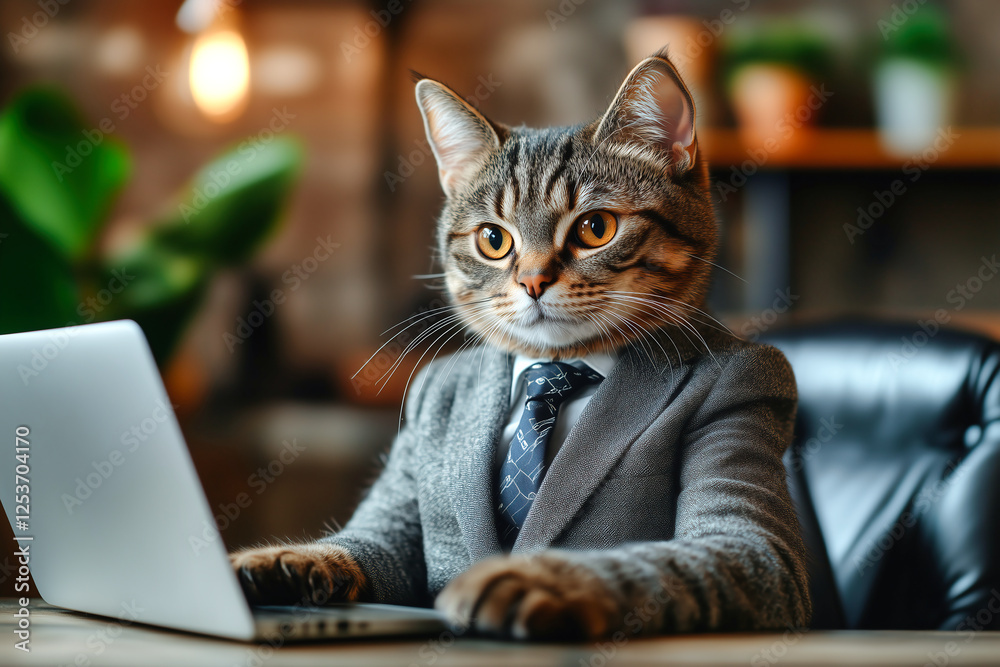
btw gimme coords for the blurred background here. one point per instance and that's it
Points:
(250, 181)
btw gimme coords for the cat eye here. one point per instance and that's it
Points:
(595, 229)
(494, 241)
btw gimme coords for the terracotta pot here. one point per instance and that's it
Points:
(775, 107)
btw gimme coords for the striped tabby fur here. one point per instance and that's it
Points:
(639, 162)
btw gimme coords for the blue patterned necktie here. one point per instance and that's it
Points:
(549, 384)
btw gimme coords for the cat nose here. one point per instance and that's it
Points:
(535, 284)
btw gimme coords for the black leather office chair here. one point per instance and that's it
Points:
(895, 471)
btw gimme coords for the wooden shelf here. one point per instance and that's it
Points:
(850, 148)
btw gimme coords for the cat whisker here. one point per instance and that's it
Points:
(607, 320)
(423, 335)
(604, 333)
(496, 326)
(433, 358)
(664, 297)
(639, 333)
(642, 335)
(419, 317)
(674, 317)
(679, 318)
(662, 311)
(657, 313)
(432, 311)
(684, 319)
(645, 332)
(687, 306)
(718, 266)
(447, 323)
(481, 313)
(471, 340)
(476, 337)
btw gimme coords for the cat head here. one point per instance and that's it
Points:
(562, 241)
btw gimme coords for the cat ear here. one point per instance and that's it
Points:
(653, 108)
(461, 138)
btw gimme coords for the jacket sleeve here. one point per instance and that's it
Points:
(384, 535)
(737, 558)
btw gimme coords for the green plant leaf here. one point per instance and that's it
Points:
(925, 36)
(233, 203)
(60, 175)
(157, 288)
(37, 289)
(149, 275)
(785, 42)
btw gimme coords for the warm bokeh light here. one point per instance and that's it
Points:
(220, 74)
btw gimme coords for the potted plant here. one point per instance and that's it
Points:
(58, 180)
(914, 79)
(770, 70)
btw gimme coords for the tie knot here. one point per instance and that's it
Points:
(556, 380)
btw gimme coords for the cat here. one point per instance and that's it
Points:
(669, 494)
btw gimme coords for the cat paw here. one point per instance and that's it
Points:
(531, 597)
(311, 574)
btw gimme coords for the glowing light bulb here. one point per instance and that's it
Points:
(220, 74)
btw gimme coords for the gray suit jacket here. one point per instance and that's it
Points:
(670, 486)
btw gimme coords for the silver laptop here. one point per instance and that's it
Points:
(100, 490)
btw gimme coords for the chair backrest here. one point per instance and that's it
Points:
(895, 471)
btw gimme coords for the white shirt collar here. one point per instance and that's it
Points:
(602, 362)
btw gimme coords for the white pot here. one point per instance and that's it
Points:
(913, 100)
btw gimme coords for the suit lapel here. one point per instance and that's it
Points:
(610, 424)
(483, 407)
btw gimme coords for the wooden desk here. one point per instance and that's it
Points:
(63, 638)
